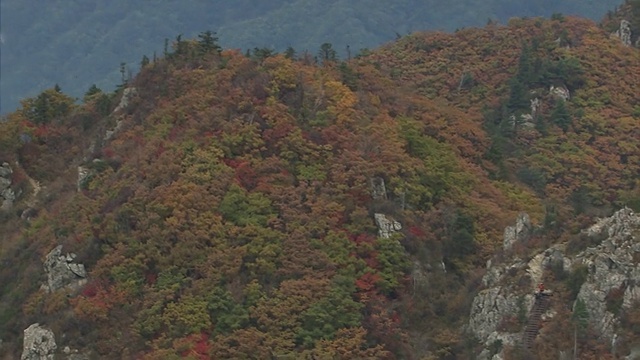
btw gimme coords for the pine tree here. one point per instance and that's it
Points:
(560, 115)
(327, 53)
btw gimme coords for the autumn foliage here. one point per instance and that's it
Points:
(231, 215)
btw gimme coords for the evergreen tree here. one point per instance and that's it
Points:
(327, 53)
(560, 115)
(290, 53)
(208, 42)
(144, 62)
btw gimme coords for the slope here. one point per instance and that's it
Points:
(232, 214)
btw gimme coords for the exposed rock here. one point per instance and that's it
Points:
(490, 307)
(560, 92)
(83, 175)
(109, 133)
(127, 95)
(378, 189)
(624, 32)
(7, 195)
(73, 354)
(386, 226)
(39, 343)
(62, 272)
(521, 232)
(611, 268)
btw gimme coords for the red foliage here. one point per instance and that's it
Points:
(367, 282)
(151, 278)
(108, 152)
(199, 346)
(416, 231)
(246, 176)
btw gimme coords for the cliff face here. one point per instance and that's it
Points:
(607, 287)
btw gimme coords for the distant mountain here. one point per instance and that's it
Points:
(75, 43)
(227, 206)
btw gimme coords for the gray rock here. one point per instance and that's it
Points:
(560, 92)
(5, 170)
(127, 95)
(83, 175)
(62, 272)
(386, 226)
(624, 32)
(491, 306)
(378, 189)
(611, 267)
(39, 343)
(521, 232)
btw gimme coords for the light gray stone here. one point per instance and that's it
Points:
(39, 343)
(62, 272)
(520, 232)
(386, 226)
(624, 32)
(560, 92)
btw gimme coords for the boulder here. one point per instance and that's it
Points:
(62, 271)
(39, 343)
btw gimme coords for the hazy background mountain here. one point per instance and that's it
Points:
(77, 43)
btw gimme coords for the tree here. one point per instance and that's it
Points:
(560, 115)
(208, 42)
(144, 62)
(327, 53)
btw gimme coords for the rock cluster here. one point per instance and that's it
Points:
(624, 32)
(62, 271)
(386, 226)
(612, 268)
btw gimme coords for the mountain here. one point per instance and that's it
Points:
(219, 205)
(73, 43)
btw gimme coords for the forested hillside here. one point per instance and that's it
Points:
(74, 43)
(263, 205)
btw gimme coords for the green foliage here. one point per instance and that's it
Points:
(393, 262)
(187, 316)
(225, 313)
(574, 281)
(243, 208)
(48, 105)
(337, 310)
(580, 316)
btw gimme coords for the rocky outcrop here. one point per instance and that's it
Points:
(378, 189)
(560, 92)
(39, 343)
(520, 232)
(386, 226)
(624, 32)
(613, 270)
(127, 95)
(62, 271)
(7, 195)
(612, 283)
(83, 174)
